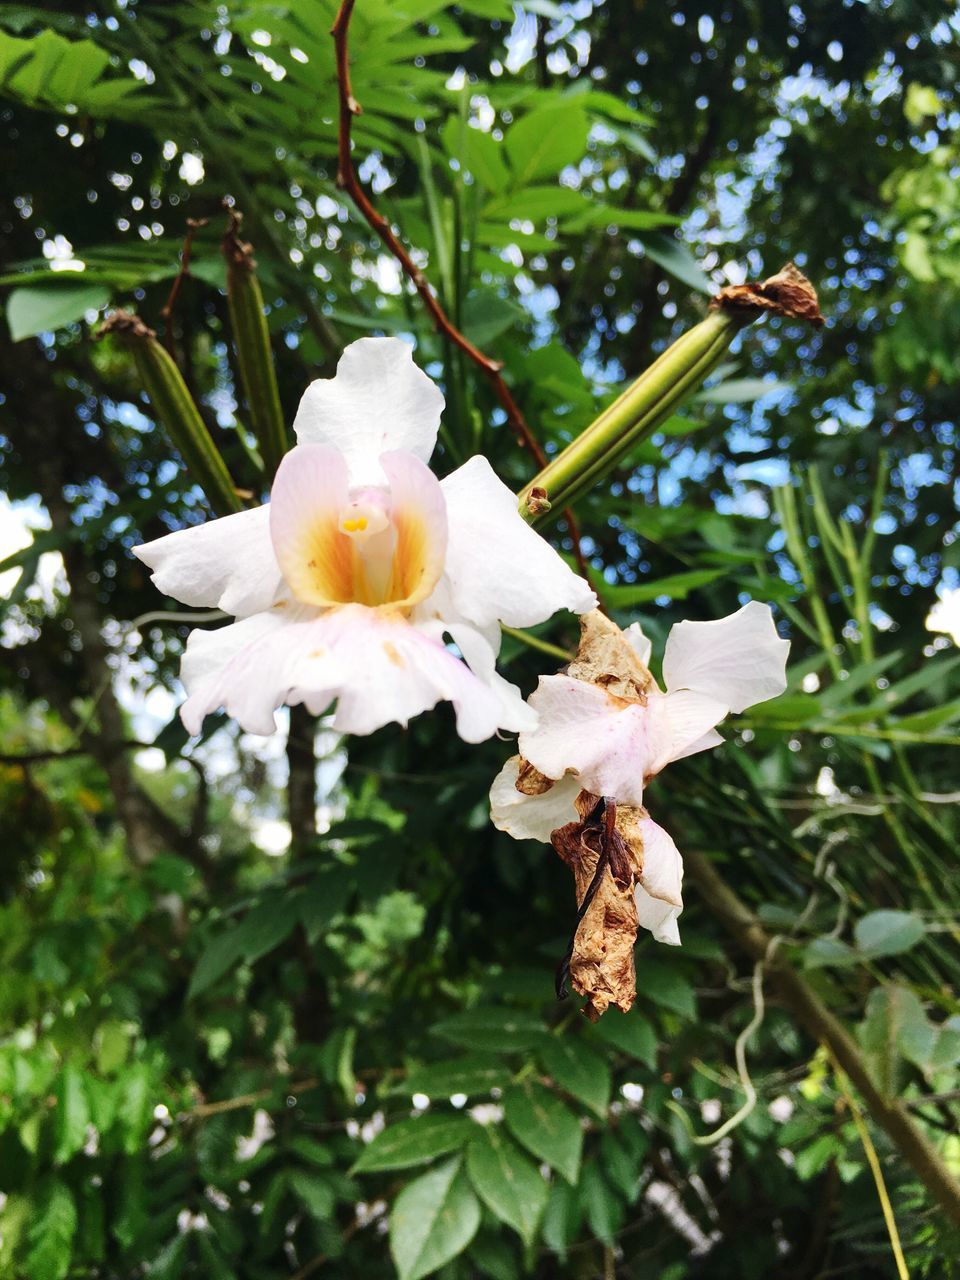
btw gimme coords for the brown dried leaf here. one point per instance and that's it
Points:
(530, 781)
(126, 324)
(788, 293)
(601, 964)
(606, 658)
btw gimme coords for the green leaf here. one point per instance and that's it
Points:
(888, 933)
(413, 1141)
(480, 153)
(604, 1212)
(486, 316)
(51, 1232)
(533, 204)
(546, 141)
(48, 70)
(811, 1160)
(491, 1028)
(677, 586)
(662, 983)
(629, 1032)
(674, 257)
(313, 1192)
(71, 1115)
(43, 308)
(579, 1070)
(546, 1127)
(562, 1218)
(821, 953)
(471, 1075)
(895, 1027)
(509, 1184)
(262, 929)
(433, 1219)
(741, 390)
(323, 900)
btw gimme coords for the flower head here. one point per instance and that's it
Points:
(345, 586)
(605, 728)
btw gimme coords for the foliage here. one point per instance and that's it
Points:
(216, 1062)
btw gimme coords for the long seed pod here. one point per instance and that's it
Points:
(659, 391)
(176, 410)
(251, 338)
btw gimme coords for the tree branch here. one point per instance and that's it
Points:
(889, 1113)
(348, 181)
(166, 311)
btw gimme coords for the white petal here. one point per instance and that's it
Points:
(738, 660)
(376, 666)
(244, 668)
(479, 647)
(709, 740)
(677, 725)
(583, 729)
(378, 401)
(658, 895)
(498, 568)
(641, 645)
(531, 817)
(225, 564)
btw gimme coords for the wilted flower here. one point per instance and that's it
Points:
(605, 728)
(344, 586)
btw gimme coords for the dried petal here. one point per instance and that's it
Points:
(788, 293)
(601, 958)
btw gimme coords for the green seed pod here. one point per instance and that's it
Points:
(251, 338)
(662, 388)
(176, 411)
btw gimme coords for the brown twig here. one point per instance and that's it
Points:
(166, 311)
(203, 1109)
(348, 182)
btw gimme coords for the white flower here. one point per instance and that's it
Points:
(589, 738)
(345, 585)
(613, 745)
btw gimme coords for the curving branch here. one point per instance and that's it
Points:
(348, 182)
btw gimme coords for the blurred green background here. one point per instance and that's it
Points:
(229, 1049)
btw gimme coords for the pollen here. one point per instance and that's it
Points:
(356, 524)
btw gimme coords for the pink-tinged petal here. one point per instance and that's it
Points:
(224, 564)
(738, 660)
(583, 729)
(378, 401)
(658, 895)
(676, 723)
(247, 668)
(309, 493)
(374, 665)
(498, 568)
(531, 817)
(418, 512)
(395, 671)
